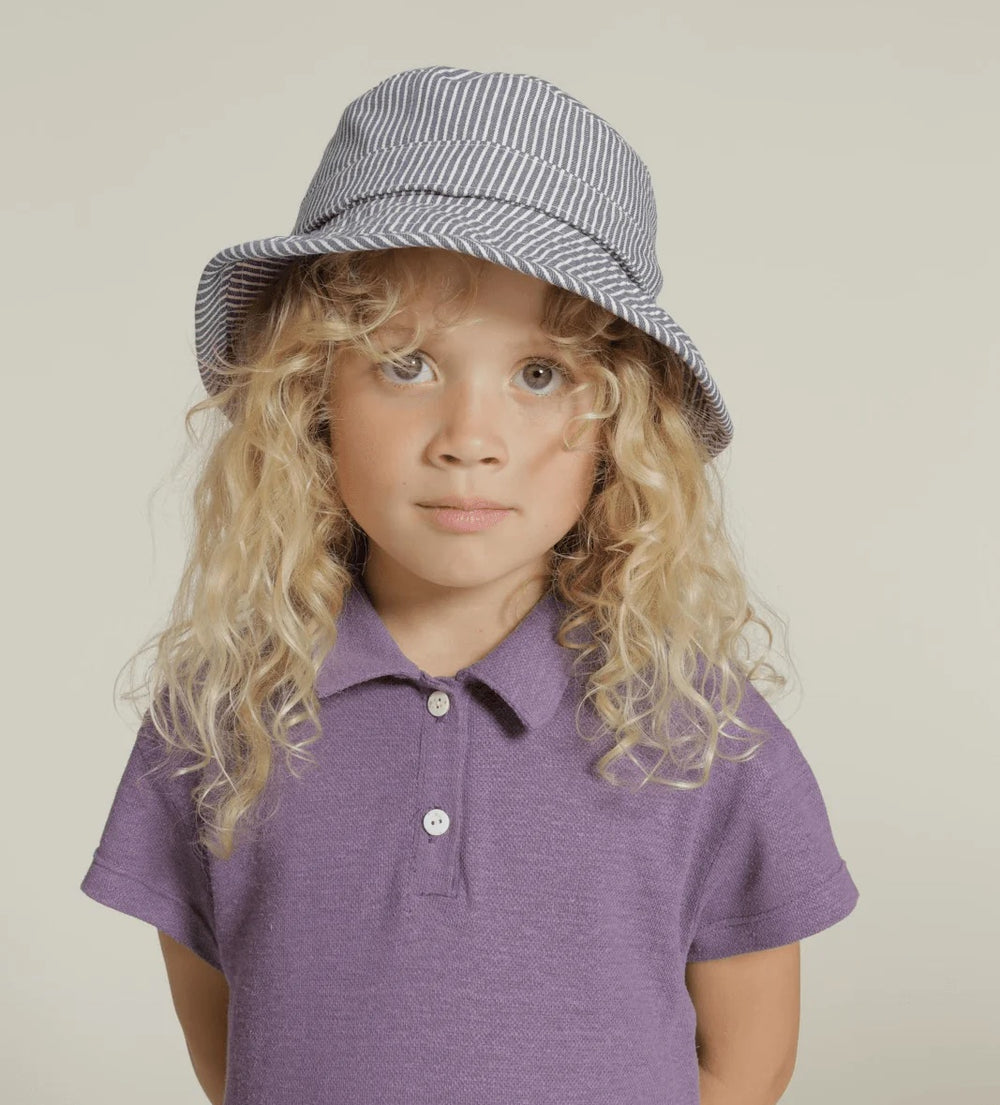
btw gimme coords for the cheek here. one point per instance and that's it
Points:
(579, 464)
(585, 477)
(357, 443)
(358, 448)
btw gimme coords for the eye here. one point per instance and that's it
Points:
(403, 364)
(539, 368)
(547, 368)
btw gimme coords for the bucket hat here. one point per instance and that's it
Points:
(502, 166)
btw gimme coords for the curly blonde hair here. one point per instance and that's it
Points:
(648, 571)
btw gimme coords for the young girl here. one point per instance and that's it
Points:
(460, 588)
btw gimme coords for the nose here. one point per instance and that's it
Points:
(469, 427)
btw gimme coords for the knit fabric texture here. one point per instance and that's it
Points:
(451, 907)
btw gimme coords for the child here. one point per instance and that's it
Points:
(457, 552)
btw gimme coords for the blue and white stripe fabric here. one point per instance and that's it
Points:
(504, 166)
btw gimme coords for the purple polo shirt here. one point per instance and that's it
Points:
(450, 907)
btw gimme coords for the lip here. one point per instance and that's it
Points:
(467, 504)
(467, 521)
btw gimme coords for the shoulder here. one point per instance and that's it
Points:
(778, 758)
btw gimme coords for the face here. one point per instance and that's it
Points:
(479, 410)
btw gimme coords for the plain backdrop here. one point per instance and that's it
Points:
(826, 177)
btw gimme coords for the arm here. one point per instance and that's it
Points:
(747, 1009)
(201, 1000)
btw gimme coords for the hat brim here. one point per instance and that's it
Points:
(516, 236)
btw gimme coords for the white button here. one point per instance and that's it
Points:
(436, 822)
(438, 703)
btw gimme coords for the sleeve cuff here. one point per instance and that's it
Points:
(786, 924)
(129, 894)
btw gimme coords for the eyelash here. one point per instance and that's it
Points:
(543, 361)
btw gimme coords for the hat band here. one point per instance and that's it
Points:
(330, 226)
(486, 170)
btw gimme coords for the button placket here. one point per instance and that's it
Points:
(443, 741)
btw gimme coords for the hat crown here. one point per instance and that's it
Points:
(507, 136)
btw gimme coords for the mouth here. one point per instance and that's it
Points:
(465, 505)
(453, 519)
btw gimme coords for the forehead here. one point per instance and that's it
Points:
(514, 312)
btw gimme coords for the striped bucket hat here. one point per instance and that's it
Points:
(503, 166)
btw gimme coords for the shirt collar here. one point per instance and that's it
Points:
(529, 669)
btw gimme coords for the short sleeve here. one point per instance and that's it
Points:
(777, 875)
(149, 863)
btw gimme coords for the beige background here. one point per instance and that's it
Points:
(826, 177)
